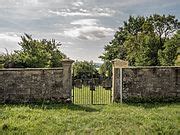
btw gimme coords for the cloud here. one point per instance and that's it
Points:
(88, 29)
(9, 41)
(66, 13)
(9, 37)
(95, 12)
(67, 43)
(19, 3)
(78, 3)
(89, 22)
(89, 32)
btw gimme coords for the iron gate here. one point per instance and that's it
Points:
(91, 89)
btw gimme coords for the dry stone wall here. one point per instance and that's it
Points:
(145, 84)
(153, 84)
(36, 85)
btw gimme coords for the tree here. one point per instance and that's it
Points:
(140, 39)
(115, 48)
(1, 60)
(142, 50)
(105, 69)
(36, 54)
(169, 54)
(84, 69)
(164, 26)
(134, 25)
(177, 62)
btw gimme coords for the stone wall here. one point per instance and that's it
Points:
(36, 85)
(147, 84)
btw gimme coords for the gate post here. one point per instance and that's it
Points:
(117, 89)
(67, 77)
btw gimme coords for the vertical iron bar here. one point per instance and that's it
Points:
(73, 85)
(92, 97)
(100, 95)
(73, 94)
(88, 95)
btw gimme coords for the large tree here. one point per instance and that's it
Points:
(171, 51)
(35, 54)
(164, 26)
(84, 70)
(141, 39)
(105, 69)
(142, 50)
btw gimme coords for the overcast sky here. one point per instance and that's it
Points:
(82, 26)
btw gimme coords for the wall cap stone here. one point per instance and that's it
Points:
(152, 67)
(67, 61)
(117, 63)
(30, 69)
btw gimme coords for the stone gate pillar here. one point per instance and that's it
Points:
(67, 77)
(117, 81)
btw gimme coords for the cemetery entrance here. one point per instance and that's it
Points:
(91, 89)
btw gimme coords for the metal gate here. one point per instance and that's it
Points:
(91, 89)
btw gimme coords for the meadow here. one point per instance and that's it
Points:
(73, 119)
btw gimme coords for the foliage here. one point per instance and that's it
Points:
(143, 41)
(90, 119)
(105, 69)
(84, 69)
(1, 60)
(142, 50)
(177, 62)
(115, 48)
(164, 26)
(169, 54)
(7, 59)
(35, 54)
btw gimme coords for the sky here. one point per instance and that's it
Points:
(83, 27)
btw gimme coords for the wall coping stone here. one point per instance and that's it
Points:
(67, 62)
(118, 63)
(151, 67)
(29, 69)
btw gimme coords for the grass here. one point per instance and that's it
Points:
(86, 96)
(90, 119)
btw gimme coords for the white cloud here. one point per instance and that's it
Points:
(9, 37)
(78, 3)
(89, 22)
(89, 32)
(66, 43)
(83, 10)
(95, 12)
(9, 41)
(66, 13)
(19, 3)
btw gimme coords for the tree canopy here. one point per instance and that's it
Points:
(146, 41)
(84, 69)
(34, 54)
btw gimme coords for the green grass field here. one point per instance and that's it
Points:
(90, 119)
(86, 96)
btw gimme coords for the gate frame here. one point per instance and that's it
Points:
(92, 93)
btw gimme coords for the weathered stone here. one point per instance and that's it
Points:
(35, 84)
(146, 84)
(117, 63)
